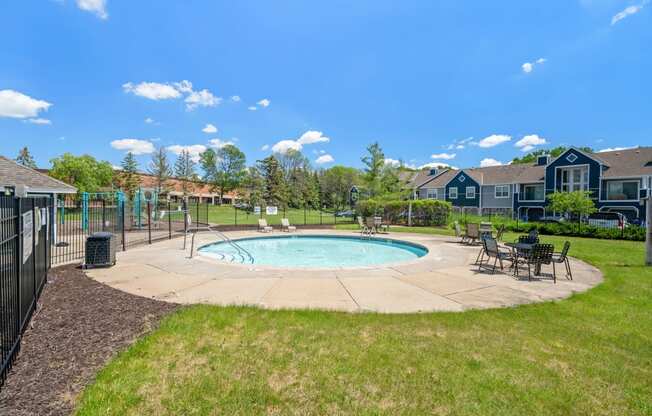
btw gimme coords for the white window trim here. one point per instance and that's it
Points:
(606, 184)
(532, 200)
(563, 167)
(432, 190)
(496, 191)
(470, 188)
(450, 192)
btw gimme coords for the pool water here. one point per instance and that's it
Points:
(315, 251)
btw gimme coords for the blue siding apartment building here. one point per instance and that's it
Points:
(617, 180)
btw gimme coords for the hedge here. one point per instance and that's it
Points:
(424, 211)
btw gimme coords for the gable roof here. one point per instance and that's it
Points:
(627, 162)
(13, 174)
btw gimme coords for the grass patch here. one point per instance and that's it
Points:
(590, 354)
(228, 215)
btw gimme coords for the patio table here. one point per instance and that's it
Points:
(523, 248)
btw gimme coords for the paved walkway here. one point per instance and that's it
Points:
(443, 280)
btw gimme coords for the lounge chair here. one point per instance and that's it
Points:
(285, 225)
(263, 227)
(364, 230)
(562, 258)
(380, 226)
(500, 231)
(491, 249)
(458, 232)
(472, 232)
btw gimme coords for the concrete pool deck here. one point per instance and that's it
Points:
(443, 280)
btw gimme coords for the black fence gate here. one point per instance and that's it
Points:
(25, 236)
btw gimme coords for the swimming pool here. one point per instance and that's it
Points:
(316, 251)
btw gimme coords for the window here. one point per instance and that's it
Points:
(452, 193)
(501, 191)
(571, 157)
(622, 190)
(575, 179)
(432, 194)
(462, 178)
(532, 192)
(470, 192)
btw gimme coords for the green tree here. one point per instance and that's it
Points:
(83, 172)
(159, 167)
(335, 184)
(129, 178)
(225, 169)
(275, 192)
(254, 183)
(184, 169)
(554, 152)
(25, 158)
(374, 163)
(290, 161)
(576, 204)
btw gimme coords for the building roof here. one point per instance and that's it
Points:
(504, 174)
(13, 174)
(175, 187)
(628, 162)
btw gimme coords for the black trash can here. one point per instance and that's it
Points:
(100, 250)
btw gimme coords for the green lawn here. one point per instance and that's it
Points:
(228, 215)
(590, 354)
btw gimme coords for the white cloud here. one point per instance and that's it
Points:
(166, 91)
(459, 146)
(309, 137)
(235, 98)
(219, 143)
(444, 156)
(252, 108)
(494, 140)
(490, 162)
(39, 121)
(264, 102)
(152, 90)
(209, 129)
(324, 159)
(439, 165)
(135, 146)
(529, 66)
(203, 98)
(615, 149)
(265, 147)
(184, 86)
(193, 149)
(628, 11)
(392, 162)
(528, 142)
(149, 120)
(97, 7)
(313, 136)
(284, 145)
(18, 105)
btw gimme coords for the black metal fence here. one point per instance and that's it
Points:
(25, 236)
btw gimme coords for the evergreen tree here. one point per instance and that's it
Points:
(275, 192)
(160, 169)
(25, 158)
(374, 162)
(129, 179)
(184, 169)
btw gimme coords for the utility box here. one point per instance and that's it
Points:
(100, 250)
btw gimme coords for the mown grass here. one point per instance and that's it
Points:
(589, 354)
(228, 215)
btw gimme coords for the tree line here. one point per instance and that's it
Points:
(286, 180)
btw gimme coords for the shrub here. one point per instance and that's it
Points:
(424, 212)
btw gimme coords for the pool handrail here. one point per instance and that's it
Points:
(224, 238)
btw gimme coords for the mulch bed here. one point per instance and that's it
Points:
(80, 325)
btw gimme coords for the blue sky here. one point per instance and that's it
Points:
(465, 82)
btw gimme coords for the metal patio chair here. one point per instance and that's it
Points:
(490, 249)
(562, 257)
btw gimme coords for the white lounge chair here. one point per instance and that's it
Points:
(263, 227)
(285, 225)
(364, 230)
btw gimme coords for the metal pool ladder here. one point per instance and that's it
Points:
(241, 251)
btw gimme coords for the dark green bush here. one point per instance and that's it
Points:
(424, 212)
